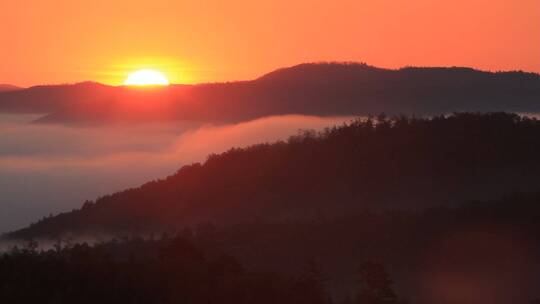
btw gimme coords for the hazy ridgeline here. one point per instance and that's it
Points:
(368, 164)
(319, 89)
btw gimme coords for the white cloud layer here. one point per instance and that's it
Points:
(48, 169)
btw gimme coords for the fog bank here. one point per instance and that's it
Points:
(46, 169)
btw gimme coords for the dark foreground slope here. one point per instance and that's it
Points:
(165, 271)
(309, 89)
(479, 252)
(400, 163)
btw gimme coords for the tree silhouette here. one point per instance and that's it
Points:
(375, 285)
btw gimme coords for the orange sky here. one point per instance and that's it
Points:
(65, 41)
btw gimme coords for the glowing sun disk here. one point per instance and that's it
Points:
(146, 78)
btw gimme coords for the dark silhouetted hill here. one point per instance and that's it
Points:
(8, 87)
(53, 98)
(310, 89)
(380, 164)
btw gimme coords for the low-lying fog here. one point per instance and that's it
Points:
(46, 169)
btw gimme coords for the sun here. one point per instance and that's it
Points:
(146, 77)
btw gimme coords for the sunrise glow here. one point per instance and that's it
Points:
(146, 77)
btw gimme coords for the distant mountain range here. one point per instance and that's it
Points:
(8, 87)
(311, 89)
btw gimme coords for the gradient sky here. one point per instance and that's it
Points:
(65, 41)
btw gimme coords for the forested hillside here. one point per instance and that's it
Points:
(368, 164)
(448, 204)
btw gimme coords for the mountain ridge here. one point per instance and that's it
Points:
(324, 89)
(8, 87)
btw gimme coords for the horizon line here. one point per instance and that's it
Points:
(359, 63)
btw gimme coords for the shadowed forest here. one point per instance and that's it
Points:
(445, 207)
(179, 269)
